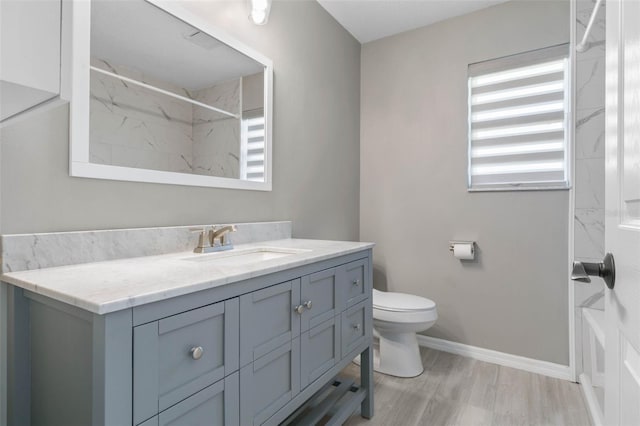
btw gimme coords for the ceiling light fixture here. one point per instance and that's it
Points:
(259, 11)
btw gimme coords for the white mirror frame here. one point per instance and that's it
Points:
(78, 12)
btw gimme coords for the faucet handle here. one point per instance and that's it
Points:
(221, 234)
(202, 238)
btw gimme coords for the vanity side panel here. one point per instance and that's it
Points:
(18, 364)
(366, 357)
(112, 368)
(145, 360)
(61, 352)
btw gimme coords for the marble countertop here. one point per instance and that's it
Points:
(103, 287)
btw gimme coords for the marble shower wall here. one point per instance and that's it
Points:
(216, 137)
(589, 152)
(131, 126)
(589, 163)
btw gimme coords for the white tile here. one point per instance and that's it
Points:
(589, 233)
(597, 35)
(155, 131)
(590, 133)
(590, 83)
(140, 158)
(589, 183)
(100, 153)
(180, 163)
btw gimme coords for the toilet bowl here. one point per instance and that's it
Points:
(397, 317)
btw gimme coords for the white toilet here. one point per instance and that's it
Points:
(397, 317)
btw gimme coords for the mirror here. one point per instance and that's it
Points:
(159, 95)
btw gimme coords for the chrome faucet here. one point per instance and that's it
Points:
(215, 239)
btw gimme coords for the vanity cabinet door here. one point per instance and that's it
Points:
(357, 285)
(268, 320)
(319, 350)
(267, 384)
(216, 405)
(322, 290)
(180, 355)
(356, 326)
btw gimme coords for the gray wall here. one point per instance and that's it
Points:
(316, 145)
(413, 200)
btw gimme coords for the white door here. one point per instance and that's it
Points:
(622, 235)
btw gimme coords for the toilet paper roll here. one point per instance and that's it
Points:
(464, 251)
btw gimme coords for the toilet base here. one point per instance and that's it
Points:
(400, 356)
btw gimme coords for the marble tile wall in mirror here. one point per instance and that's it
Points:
(167, 96)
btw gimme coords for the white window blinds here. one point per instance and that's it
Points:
(518, 121)
(253, 147)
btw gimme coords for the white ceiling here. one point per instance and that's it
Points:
(144, 37)
(369, 20)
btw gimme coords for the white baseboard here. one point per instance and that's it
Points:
(592, 402)
(545, 368)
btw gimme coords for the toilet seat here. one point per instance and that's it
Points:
(401, 302)
(403, 308)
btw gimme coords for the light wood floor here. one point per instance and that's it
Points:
(455, 390)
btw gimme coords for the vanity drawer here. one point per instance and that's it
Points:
(357, 283)
(356, 326)
(268, 320)
(319, 350)
(322, 289)
(180, 355)
(269, 383)
(215, 405)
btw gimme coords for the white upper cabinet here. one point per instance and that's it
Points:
(29, 54)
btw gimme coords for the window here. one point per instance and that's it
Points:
(252, 149)
(519, 120)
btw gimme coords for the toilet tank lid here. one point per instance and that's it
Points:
(401, 301)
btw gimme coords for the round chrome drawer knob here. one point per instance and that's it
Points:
(299, 309)
(308, 304)
(196, 352)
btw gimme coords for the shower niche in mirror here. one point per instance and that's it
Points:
(160, 95)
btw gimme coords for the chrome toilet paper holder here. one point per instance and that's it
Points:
(453, 243)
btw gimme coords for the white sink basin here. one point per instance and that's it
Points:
(245, 256)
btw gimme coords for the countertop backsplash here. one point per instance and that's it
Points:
(22, 252)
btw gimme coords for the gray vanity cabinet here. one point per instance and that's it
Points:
(291, 334)
(215, 405)
(320, 350)
(177, 356)
(356, 321)
(357, 281)
(267, 384)
(268, 320)
(251, 352)
(322, 291)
